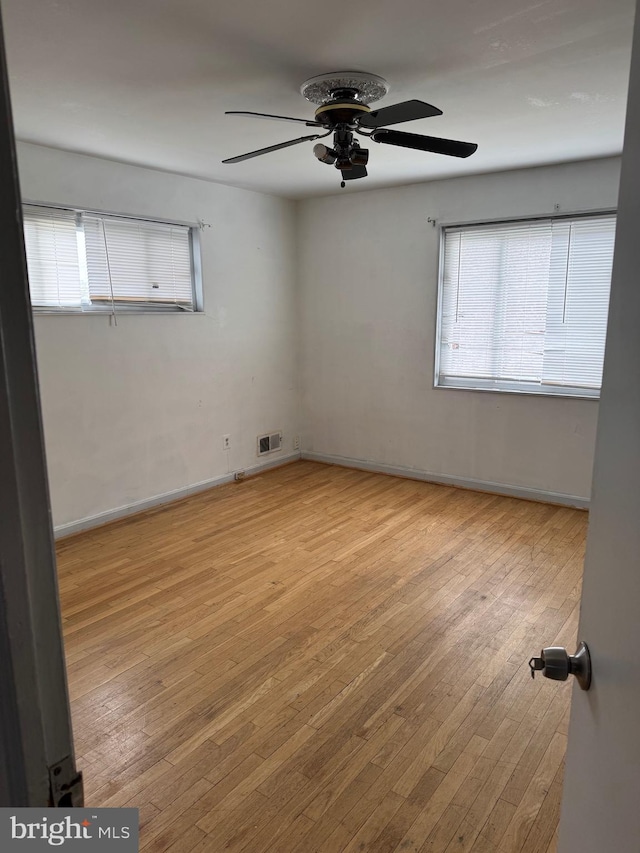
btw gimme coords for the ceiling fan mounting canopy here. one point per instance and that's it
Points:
(358, 86)
(343, 111)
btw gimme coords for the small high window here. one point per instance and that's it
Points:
(83, 261)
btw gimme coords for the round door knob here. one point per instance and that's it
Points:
(555, 663)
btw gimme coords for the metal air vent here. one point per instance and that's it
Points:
(269, 443)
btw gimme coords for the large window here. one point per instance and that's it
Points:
(523, 305)
(82, 261)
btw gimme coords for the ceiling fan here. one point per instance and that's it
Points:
(343, 100)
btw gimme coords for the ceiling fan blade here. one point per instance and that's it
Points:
(435, 145)
(354, 172)
(275, 118)
(397, 113)
(269, 148)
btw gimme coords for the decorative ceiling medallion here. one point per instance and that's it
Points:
(366, 87)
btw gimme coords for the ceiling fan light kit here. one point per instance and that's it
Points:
(342, 100)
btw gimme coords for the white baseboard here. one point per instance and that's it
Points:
(447, 480)
(165, 498)
(361, 464)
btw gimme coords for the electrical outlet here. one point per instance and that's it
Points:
(226, 442)
(296, 442)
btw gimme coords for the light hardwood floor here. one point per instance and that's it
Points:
(321, 659)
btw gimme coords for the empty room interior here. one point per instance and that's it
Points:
(320, 422)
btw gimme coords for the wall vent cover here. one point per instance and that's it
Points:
(269, 443)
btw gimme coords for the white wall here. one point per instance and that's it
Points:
(138, 410)
(368, 273)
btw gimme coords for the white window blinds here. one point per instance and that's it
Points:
(89, 262)
(52, 258)
(137, 262)
(523, 305)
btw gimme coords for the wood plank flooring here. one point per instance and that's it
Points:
(321, 659)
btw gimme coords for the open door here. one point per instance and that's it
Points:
(601, 805)
(37, 766)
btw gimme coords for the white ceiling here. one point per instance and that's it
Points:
(148, 81)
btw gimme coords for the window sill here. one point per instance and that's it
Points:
(130, 312)
(563, 394)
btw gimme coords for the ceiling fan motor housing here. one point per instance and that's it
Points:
(340, 112)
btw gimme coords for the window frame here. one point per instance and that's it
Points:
(489, 385)
(107, 309)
